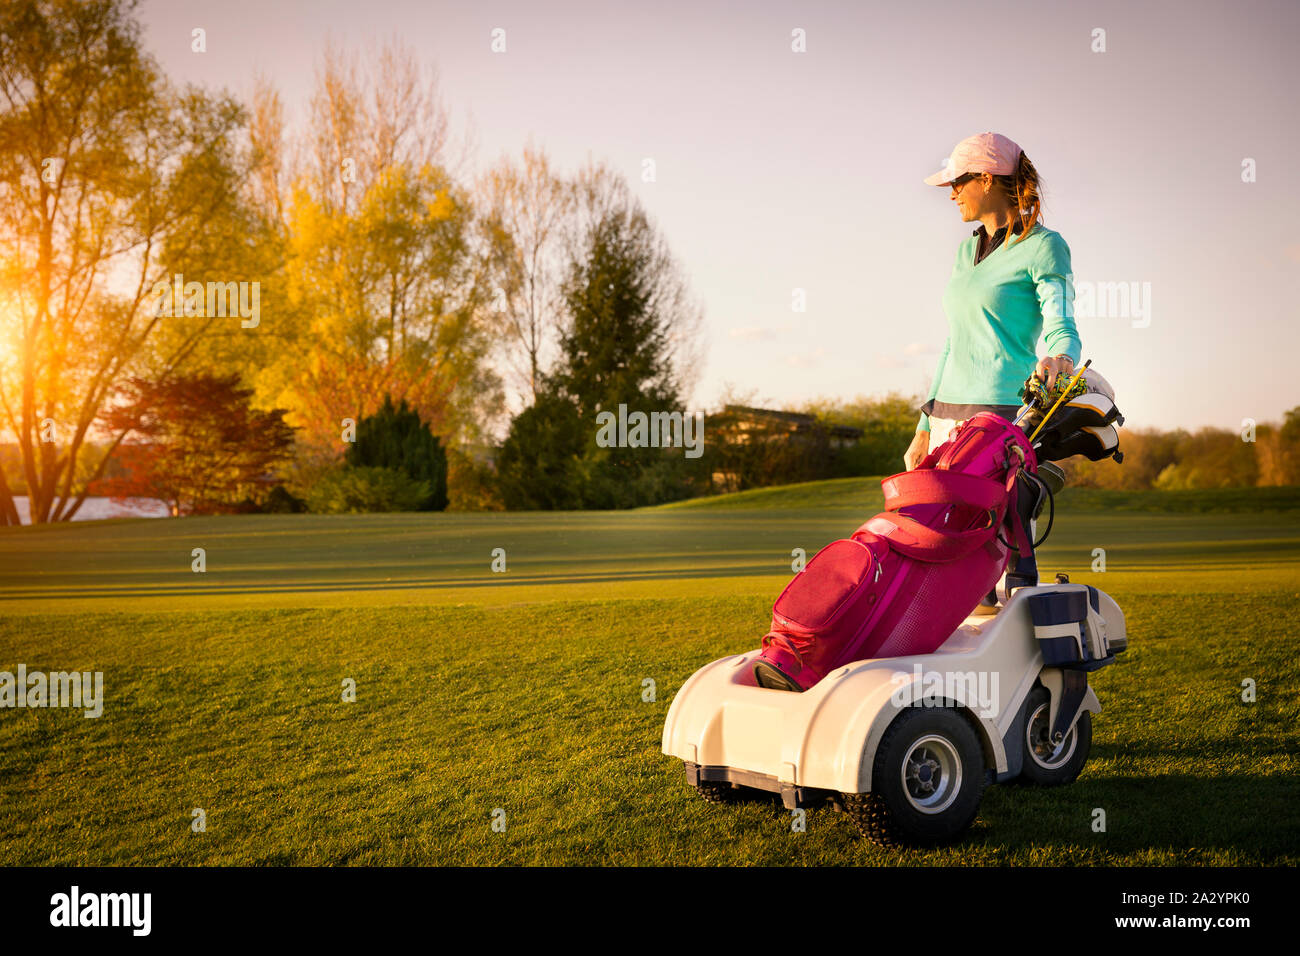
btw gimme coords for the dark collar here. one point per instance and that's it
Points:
(1001, 233)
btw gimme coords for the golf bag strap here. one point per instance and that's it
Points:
(923, 543)
(938, 486)
(1023, 545)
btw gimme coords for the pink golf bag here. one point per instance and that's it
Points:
(910, 575)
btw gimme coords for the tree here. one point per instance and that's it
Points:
(386, 279)
(605, 207)
(196, 444)
(615, 346)
(1147, 453)
(1280, 451)
(395, 438)
(625, 311)
(110, 181)
(539, 463)
(527, 203)
(1210, 458)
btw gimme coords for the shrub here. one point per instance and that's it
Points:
(281, 501)
(364, 489)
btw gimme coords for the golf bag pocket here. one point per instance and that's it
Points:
(832, 587)
(822, 610)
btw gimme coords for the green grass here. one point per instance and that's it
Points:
(523, 690)
(863, 494)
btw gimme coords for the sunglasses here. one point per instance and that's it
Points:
(962, 180)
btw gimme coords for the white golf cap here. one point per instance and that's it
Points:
(981, 153)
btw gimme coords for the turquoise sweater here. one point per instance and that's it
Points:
(996, 311)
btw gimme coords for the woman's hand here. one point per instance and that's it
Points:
(919, 448)
(1049, 368)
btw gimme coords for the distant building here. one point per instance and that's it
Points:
(762, 446)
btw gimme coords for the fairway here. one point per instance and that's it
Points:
(522, 690)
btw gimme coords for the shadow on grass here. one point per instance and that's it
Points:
(417, 584)
(1250, 815)
(1175, 819)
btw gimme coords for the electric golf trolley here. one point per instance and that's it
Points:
(905, 745)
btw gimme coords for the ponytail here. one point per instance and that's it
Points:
(1023, 189)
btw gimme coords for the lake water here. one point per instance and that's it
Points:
(94, 509)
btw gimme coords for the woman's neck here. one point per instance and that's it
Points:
(993, 221)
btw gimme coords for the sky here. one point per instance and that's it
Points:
(778, 170)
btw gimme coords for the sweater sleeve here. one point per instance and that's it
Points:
(924, 424)
(1054, 280)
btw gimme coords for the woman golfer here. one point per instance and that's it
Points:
(1004, 292)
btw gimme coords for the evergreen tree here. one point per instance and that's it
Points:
(627, 337)
(615, 350)
(395, 437)
(614, 346)
(539, 465)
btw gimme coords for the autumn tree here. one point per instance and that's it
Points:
(111, 181)
(195, 443)
(385, 284)
(1278, 450)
